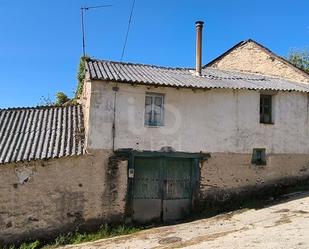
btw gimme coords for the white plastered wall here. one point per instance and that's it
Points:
(217, 120)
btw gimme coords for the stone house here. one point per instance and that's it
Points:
(147, 143)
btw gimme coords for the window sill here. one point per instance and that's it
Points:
(264, 123)
(153, 126)
(258, 164)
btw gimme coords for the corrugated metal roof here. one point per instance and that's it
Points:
(40, 133)
(185, 77)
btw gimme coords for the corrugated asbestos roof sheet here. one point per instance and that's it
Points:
(40, 133)
(185, 77)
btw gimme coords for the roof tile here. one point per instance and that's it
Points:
(40, 133)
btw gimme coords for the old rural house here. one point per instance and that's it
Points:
(148, 142)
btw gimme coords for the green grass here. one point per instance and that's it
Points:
(77, 237)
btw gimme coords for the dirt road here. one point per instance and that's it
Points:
(284, 225)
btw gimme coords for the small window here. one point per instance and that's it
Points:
(265, 109)
(259, 157)
(154, 109)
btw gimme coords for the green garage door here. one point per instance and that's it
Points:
(162, 188)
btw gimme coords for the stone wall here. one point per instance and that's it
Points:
(41, 199)
(44, 198)
(252, 58)
(233, 172)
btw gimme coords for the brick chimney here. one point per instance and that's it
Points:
(198, 53)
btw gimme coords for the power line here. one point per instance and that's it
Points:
(118, 72)
(128, 30)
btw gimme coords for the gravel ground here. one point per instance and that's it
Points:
(284, 225)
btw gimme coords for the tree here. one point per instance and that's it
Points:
(61, 98)
(300, 59)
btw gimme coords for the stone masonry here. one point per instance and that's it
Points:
(254, 58)
(41, 199)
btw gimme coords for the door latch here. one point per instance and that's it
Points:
(131, 173)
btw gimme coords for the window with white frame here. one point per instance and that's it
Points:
(154, 109)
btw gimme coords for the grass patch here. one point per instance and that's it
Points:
(105, 231)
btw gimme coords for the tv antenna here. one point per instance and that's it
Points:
(82, 12)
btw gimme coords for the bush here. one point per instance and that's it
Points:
(61, 98)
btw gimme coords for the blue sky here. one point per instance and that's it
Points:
(40, 40)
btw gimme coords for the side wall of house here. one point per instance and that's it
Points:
(86, 99)
(44, 198)
(223, 122)
(252, 58)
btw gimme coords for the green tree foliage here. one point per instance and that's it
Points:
(61, 98)
(300, 59)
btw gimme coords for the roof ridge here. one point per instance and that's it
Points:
(141, 64)
(39, 107)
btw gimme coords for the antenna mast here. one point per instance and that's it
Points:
(82, 12)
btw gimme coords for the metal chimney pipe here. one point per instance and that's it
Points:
(198, 53)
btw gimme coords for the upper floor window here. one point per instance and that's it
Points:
(154, 109)
(266, 109)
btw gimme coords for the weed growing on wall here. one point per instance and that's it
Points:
(81, 76)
